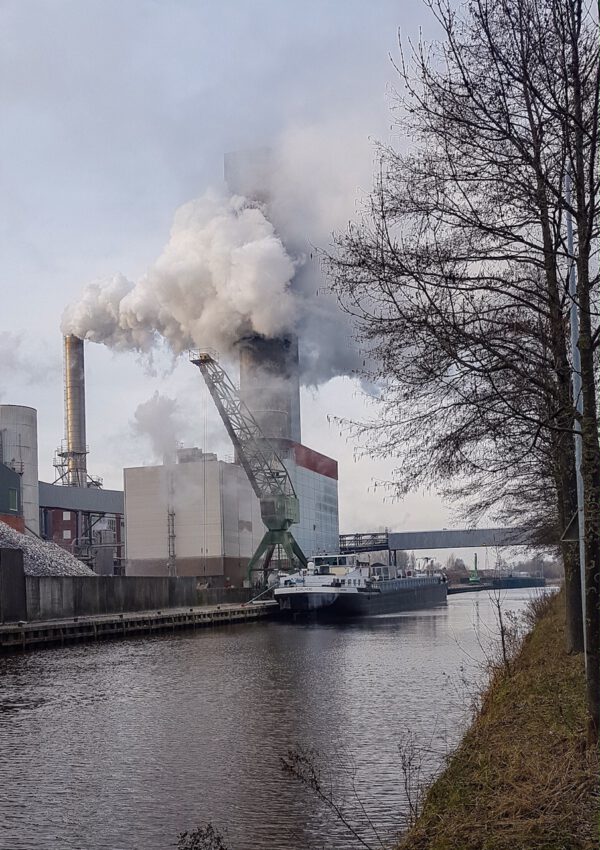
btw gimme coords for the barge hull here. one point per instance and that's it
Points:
(369, 603)
(333, 606)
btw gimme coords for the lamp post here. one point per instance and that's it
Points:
(577, 399)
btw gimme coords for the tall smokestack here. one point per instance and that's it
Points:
(270, 384)
(269, 367)
(76, 449)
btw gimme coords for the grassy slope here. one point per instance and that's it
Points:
(522, 778)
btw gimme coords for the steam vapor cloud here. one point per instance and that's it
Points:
(223, 274)
(159, 420)
(233, 268)
(19, 362)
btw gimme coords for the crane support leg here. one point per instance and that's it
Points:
(293, 551)
(262, 549)
(267, 546)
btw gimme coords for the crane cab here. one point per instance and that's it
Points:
(279, 511)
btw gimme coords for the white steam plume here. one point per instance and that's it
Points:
(223, 274)
(320, 172)
(160, 421)
(22, 364)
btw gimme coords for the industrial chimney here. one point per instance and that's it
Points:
(270, 384)
(74, 450)
(269, 367)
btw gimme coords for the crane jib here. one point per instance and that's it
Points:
(267, 474)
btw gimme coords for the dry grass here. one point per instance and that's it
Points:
(522, 779)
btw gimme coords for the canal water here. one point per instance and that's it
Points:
(123, 745)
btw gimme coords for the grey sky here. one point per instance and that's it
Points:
(114, 114)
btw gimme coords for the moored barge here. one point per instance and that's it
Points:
(356, 591)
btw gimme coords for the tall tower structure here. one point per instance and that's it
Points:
(270, 384)
(75, 448)
(269, 367)
(70, 459)
(75, 411)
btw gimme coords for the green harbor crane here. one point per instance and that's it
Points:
(268, 477)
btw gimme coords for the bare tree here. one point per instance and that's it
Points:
(458, 274)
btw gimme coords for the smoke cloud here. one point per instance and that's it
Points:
(235, 267)
(321, 171)
(223, 274)
(160, 421)
(18, 362)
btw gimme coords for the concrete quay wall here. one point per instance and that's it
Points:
(13, 602)
(42, 598)
(55, 597)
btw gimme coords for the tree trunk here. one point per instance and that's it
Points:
(573, 607)
(563, 446)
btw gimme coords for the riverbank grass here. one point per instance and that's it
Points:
(523, 778)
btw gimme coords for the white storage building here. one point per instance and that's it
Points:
(200, 516)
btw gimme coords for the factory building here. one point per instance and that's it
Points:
(86, 521)
(200, 516)
(75, 512)
(197, 516)
(315, 480)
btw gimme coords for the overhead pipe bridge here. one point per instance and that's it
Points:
(451, 538)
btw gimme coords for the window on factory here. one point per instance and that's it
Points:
(13, 500)
(66, 534)
(66, 515)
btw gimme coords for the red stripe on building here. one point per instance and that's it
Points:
(315, 461)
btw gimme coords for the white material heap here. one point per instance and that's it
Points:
(41, 558)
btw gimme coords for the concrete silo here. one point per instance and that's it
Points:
(19, 451)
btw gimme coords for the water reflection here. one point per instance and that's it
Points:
(123, 745)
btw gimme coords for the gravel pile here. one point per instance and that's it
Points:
(41, 558)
